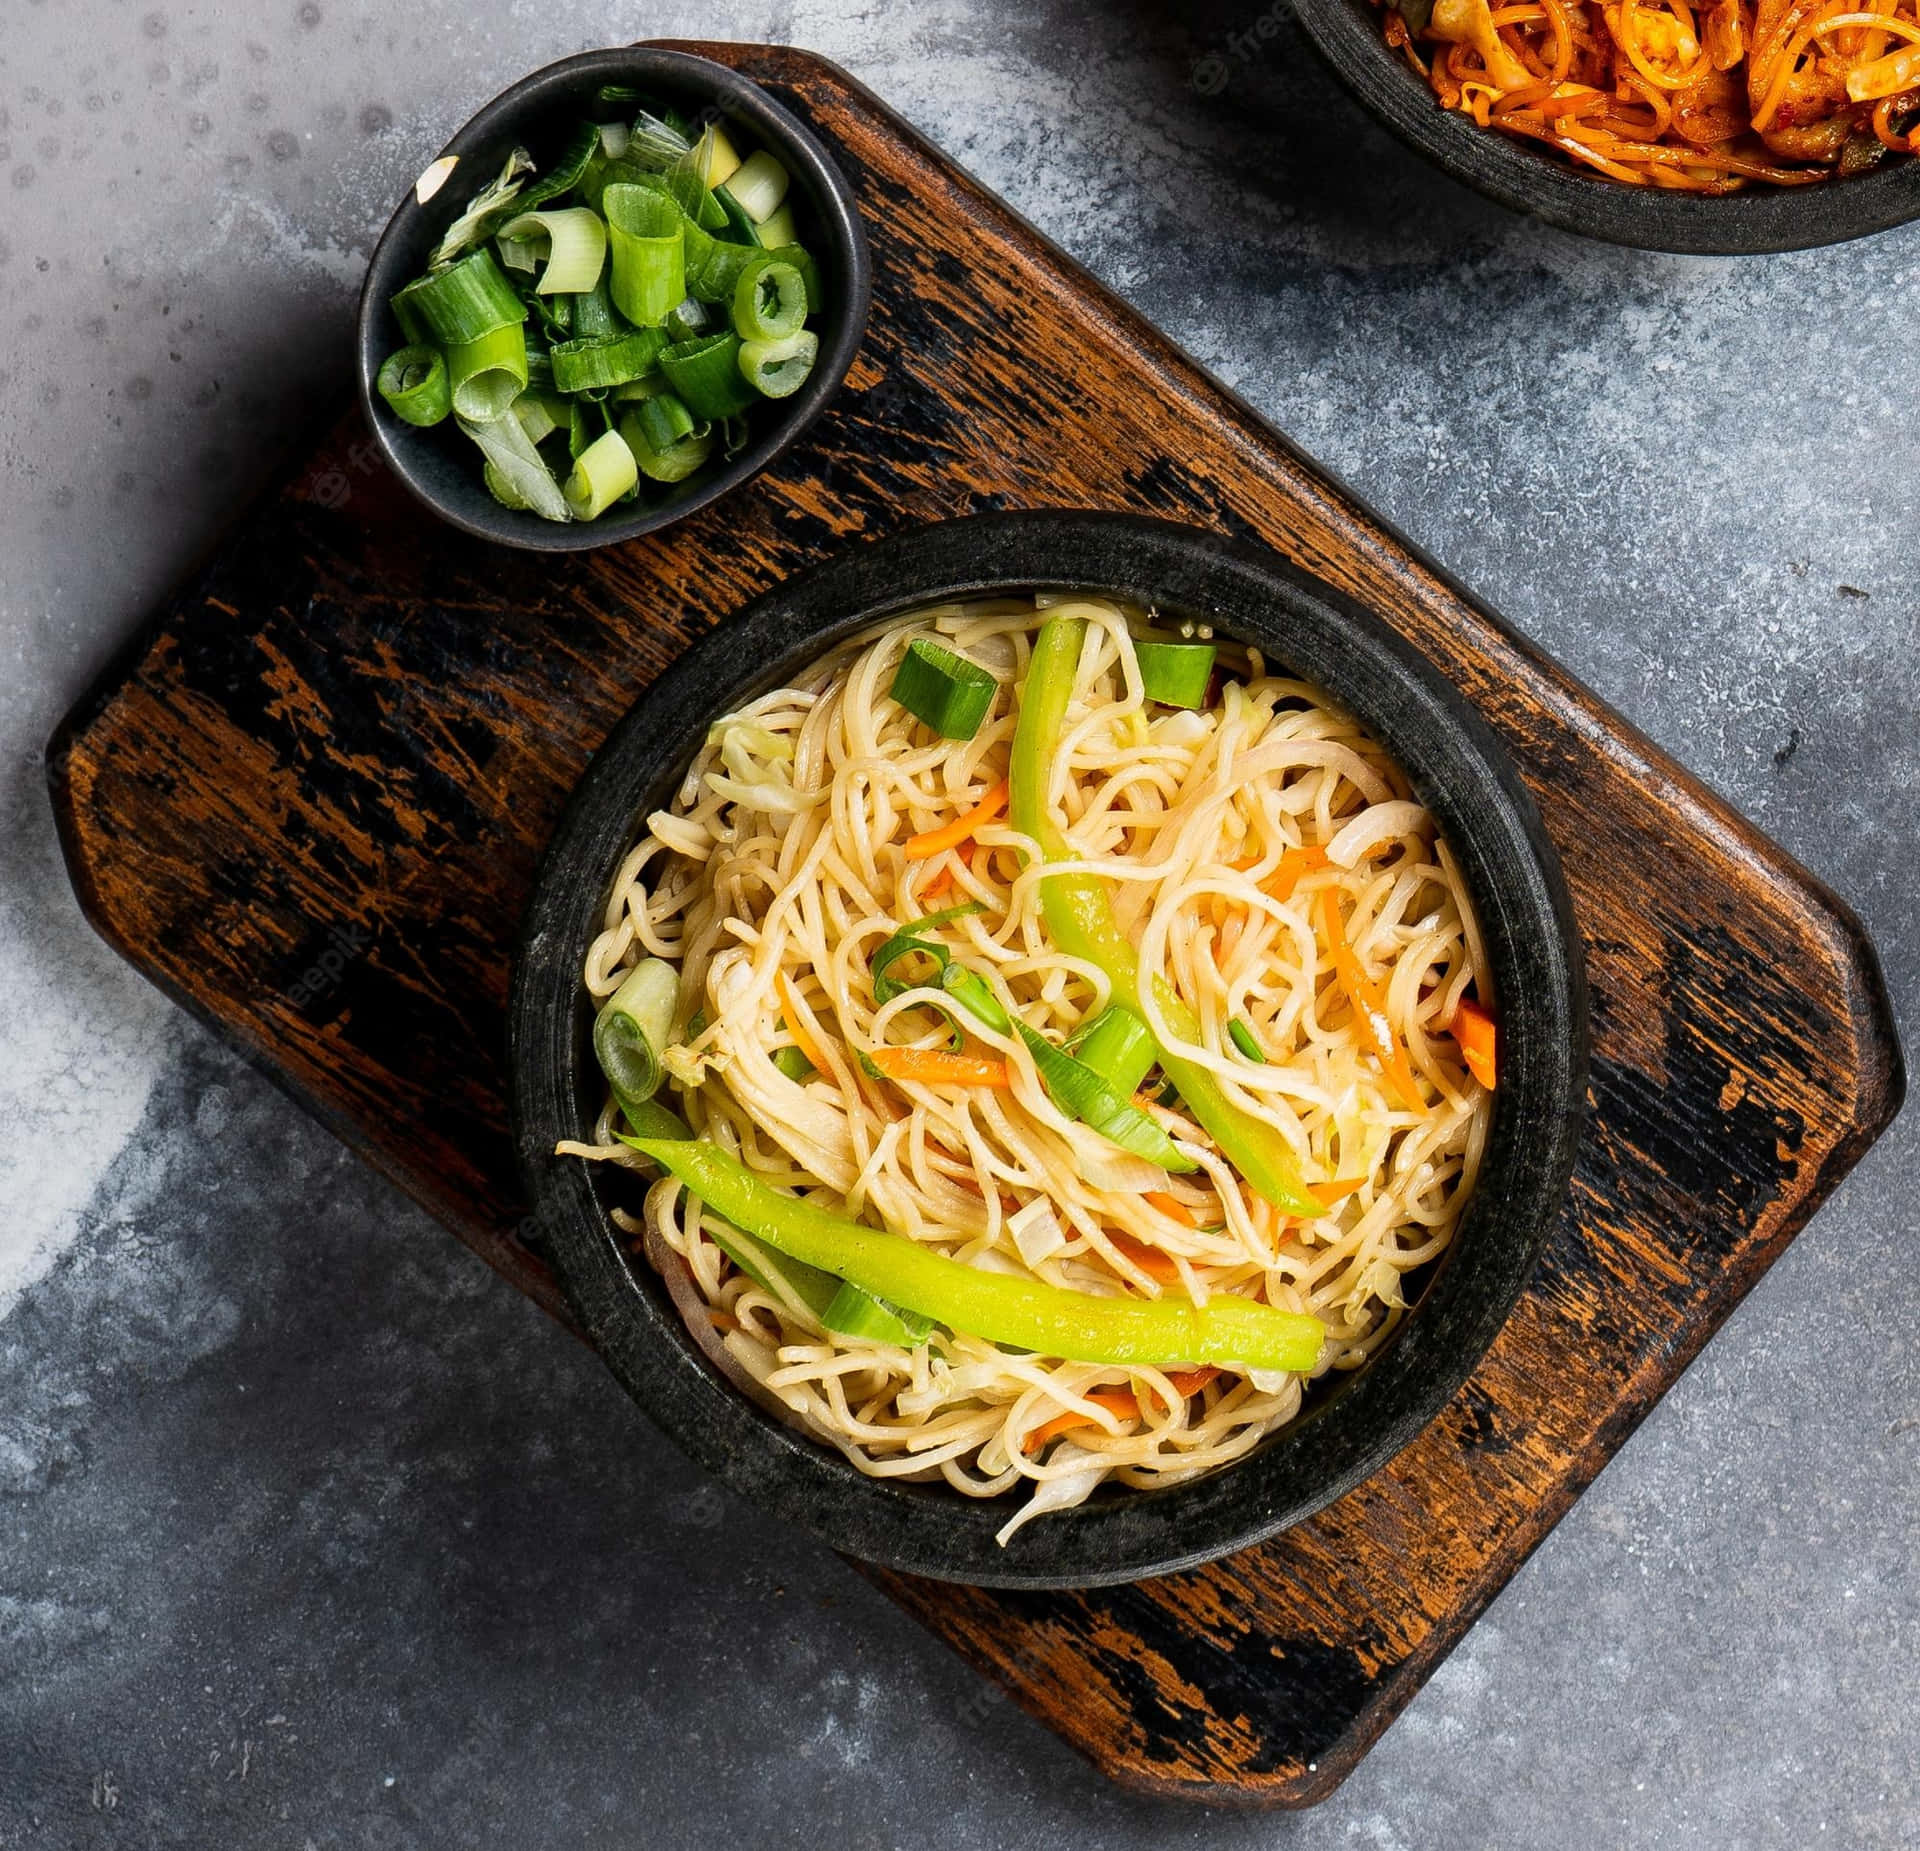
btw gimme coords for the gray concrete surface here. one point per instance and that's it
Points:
(288, 1559)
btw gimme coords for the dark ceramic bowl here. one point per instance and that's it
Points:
(439, 465)
(1352, 1425)
(1547, 185)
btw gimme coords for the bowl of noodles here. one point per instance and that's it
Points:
(1046, 1049)
(1732, 128)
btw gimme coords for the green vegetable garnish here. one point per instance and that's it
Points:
(1042, 1319)
(947, 691)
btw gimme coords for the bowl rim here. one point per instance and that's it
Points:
(1349, 1430)
(1347, 34)
(830, 197)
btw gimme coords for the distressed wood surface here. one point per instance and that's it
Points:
(309, 799)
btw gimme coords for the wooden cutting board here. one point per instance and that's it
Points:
(309, 798)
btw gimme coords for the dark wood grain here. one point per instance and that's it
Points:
(309, 800)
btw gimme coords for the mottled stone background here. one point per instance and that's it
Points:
(313, 1535)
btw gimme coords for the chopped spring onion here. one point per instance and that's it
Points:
(758, 185)
(486, 375)
(855, 1313)
(1117, 1046)
(576, 247)
(593, 305)
(630, 1032)
(496, 196)
(949, 693)
(604, 471)
(463, 302)
(507, 447)
(778, 369)
(719, 275)
(1175, 674)
(909, 941)
(708, 375)
(802, 260)
(649, 256)
(738, 229)
(778, 228)
(713, 157)
(414, 382)
(690, 321)
(794, 1065)
(1241, 1035)
(541, 414)
(769, 301)
(1081, 1093)
(672, 464)
(664, 420)
(593, 366)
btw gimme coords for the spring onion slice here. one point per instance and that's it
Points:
(778, 369)
(630, 1032)
(713, 157)
(614, 137)
(674, 464)
(470, 228)
(503, 489)
(1241, 1035)
(719, 274)
(664, 419)
(707, 374)
(1175, 674)
(649, 255)
(576, 247)
(758, 185)
(690, 321)
(656, 143)
(970, 990)
(951, 694)
(506, 445)
(778, 228)
(540, 413)
(463, 302)
(802, 260)
(603, 472)
(769, 301)
(414, 383)
(739, 228)
(1117, 1046)
(593, 366)
(854, 1313)
(1081, 1093)
(793, 1065)
(909, 941)
(486, 375)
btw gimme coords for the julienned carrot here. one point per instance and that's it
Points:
(944, 878)
(1121, 1403)
(1294, 866)
(1331, 1195)
(937, 841)
(790, 1008)
(1474, 1029)
(1173, 1206)
(1152, 1261)
(1369, 1007)
(938, 1067)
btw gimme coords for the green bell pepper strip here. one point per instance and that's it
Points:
(1079, 914)
(842, 1308)
(997, 1307)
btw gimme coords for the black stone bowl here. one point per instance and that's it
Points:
(1352, 1424)
(1544, 183)
(439, 465)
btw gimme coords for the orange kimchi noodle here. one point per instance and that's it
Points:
(1702, 99)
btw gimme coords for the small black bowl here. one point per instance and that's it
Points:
(439, 465)
(1545, 184)
(1352, 1425)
